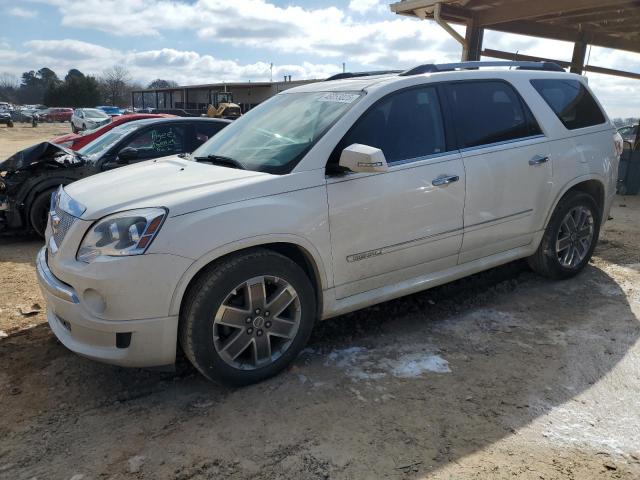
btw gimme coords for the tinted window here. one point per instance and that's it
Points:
(571, 102)
(158, 141)
(403, 125)
(489, 112)
(205, 130)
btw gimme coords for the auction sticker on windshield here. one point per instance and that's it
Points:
(339, 97)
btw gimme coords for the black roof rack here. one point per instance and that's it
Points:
(447, 67)
(340, 76)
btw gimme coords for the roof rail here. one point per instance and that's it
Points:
(340, 76)
(447, 67)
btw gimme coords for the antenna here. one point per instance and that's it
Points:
(271, 70)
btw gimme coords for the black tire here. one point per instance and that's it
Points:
(39, 210)
(545, 261)
(205, 297)
(10, 124)
(73, 128)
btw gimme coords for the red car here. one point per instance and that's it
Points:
(75, 141)
(55, 115)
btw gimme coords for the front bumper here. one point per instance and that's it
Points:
(131, 343)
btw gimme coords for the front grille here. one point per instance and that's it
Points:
(66, 222)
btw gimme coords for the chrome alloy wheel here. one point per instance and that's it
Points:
(256, 322)
(575, 237)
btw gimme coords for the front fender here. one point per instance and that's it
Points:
(302, 243)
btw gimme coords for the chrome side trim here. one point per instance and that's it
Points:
(50, 283)
(356, 257)
(503, 143)
(499, 218)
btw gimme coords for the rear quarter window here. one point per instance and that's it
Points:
(571, 102)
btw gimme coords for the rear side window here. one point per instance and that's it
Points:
(404, 125)
(571, 102)
(486, 112)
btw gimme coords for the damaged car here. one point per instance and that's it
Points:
(28, 178)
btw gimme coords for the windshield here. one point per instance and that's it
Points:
(91, 113)
(98, 146)
(274, 136)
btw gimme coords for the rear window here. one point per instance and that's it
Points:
(571, 102)
(488, 112)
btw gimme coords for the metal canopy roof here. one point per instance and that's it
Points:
(605, 23)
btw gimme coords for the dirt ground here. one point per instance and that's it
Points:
(501, 375)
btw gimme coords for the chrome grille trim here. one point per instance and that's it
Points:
(65, 222)
(63, 213)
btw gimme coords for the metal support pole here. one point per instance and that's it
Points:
(579, 54)
(133, 101)
(157, 100)
(449, 29)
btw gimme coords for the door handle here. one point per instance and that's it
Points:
(444, 180)
(538, 160)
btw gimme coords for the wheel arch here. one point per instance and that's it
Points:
(294, 248)
(590, 184)
(27, 196)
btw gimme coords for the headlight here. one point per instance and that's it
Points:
(122, 234)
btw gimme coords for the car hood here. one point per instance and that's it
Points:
(40, 154)
(181, 185)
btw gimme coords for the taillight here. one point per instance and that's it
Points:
(618, 143)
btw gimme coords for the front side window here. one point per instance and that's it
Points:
(487, 112)
(205, 130)
(97, 147)
(158, 141)
(404, 125)
(274, 136)
(571, 102)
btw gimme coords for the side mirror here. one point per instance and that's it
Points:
(126, 154)
(363, 159)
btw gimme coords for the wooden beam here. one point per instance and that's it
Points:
(579, 54)
(530, 58)
(533, 9)
(474, 37)
(487, 52)
(567, 34)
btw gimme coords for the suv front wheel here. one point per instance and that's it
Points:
(247, 317)
(570, 237)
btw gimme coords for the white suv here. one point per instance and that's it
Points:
(328, 198)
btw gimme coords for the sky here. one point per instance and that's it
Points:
(206, 41)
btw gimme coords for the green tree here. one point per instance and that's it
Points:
(77, 90)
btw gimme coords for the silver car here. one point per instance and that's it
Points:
(88, 119)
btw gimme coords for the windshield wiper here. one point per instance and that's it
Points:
(221, 160)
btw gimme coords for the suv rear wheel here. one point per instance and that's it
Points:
(247, 317)
(570, 237)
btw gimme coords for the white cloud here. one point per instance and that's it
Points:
(185, 67)
(364, 6)
(320, 38)
(22, 12)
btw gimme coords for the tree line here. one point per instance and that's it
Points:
(43, 86)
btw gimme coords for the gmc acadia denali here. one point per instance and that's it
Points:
(328, 198)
